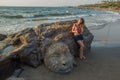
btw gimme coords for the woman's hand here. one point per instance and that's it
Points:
(74, 29)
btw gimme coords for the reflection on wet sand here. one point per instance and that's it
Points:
(108, 34)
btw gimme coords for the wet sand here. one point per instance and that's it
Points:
(110, 33)
(103, 63)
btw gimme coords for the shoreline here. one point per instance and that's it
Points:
(104, 5)
(100, 36)
(98, 66)
(102, 9)
(101, 64)
(109, 34)
(14, 23)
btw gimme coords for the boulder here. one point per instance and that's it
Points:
(2, 37)
(28, 49)
(7, 66)
(58, 58)
(50, 43)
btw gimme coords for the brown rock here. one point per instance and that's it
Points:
(33, 45)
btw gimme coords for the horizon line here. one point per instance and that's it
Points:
(37, 6)
(44, 6)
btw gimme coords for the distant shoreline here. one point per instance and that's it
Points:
(107, 5)
(104, 9)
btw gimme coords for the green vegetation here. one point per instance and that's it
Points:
(105, 4)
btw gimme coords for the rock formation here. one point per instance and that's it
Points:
(51, 43)
(58, 58)
(2, 37)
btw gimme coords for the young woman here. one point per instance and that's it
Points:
(77, 30)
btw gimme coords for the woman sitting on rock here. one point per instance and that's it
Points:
(77, 30)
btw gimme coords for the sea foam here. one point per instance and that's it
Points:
(13, 19)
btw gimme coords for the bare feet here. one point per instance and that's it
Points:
(82, 57)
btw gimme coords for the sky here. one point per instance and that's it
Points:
(46, 2)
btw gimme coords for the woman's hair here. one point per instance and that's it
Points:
(81, 22)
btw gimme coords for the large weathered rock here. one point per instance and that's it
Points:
(28, 49)
(50, 43)
(58, 58)
(7, 66)
(2, 37)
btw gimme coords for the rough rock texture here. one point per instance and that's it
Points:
(50, 43)
(58, 58)
(2, 37)
(6, 68)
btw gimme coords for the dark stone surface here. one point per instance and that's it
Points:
(2, 37)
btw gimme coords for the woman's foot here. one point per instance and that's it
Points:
(82, 57)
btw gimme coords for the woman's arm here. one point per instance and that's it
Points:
(73, 28)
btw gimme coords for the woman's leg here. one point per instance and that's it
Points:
(80, 42)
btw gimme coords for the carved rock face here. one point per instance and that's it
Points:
(51, 42)
(58, 58)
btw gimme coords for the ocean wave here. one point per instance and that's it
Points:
(54, 14)
(9, 16)
(61, 14)
(111, 12)
(40, 19)
(36, 15)
(68, 17)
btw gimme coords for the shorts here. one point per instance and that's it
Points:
(78, 37)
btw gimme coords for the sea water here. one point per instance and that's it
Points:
(14, 19)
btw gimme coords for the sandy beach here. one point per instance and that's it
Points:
(101, 64)
(108, 34)
(36, 42)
